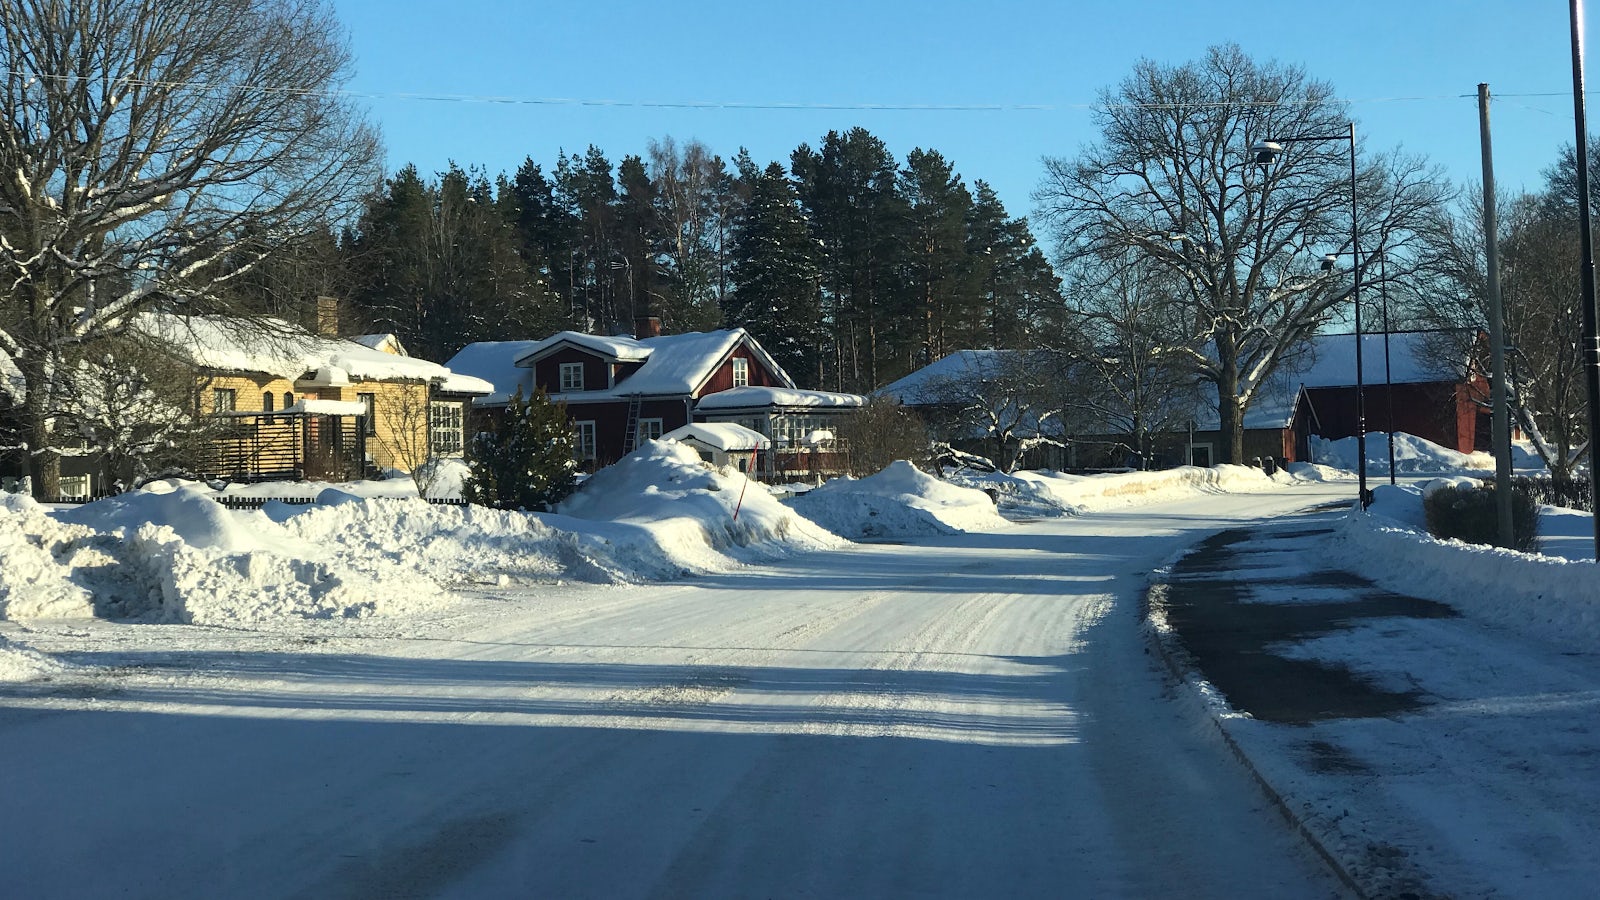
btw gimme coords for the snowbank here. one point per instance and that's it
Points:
(1545, 596)
(1054, 493)
(1412, 456)
(169, 553)
(663, 508)
(899, 502)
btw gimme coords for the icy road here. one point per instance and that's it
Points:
(972, 717)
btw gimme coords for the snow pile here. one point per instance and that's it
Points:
(35, 555)
(22, 664)
(1054, 493)
(172, 554)
(661, 508)
(452, 545)
(1412, 456)
(898, 502)
(1548, 597)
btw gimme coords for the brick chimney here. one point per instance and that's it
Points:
(328, 316)
(647, 327)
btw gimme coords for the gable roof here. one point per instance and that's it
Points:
(275, 347)
(672, 365)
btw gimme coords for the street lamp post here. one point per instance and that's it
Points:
(1265, 153)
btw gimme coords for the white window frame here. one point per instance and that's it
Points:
(370, 418)
(585, 447)
(571, 377)
(650, 430)
(741, 372)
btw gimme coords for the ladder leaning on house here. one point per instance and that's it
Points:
(630, 433)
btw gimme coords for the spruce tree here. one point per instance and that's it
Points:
(775, 277)
(529, 463)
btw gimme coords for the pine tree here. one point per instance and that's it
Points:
(529, 463)
(939, 301)
(775, 295)
(857, 216)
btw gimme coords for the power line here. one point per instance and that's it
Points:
(488, 99)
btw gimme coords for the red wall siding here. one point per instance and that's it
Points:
(1437, 411)
(722, 378)
(547, 371)
(611, 422)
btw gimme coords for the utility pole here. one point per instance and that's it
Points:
(1497, 333)
(1591, 342)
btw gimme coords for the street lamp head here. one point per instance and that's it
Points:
(1328, 260)
(1266, 152)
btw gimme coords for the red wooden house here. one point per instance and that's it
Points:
(621, 391)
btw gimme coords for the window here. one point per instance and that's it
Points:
(741, 372)
(370, 417)
(571, 377)
(585, 448)
(649, 430)
(266, 401)
(288, 399)
(446, 429)
(223, 400)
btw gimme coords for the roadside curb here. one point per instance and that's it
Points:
(1206, 701)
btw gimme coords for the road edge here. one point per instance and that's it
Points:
(1209, 704)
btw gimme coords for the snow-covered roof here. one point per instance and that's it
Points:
(621, 348)
(1329, 362)
(722, 436)
(386, 342)
(274, 347)
(494, 362)
(764, 397)
(674, 365)
(926, 385)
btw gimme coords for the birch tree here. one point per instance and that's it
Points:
(149, 154)
(1173, 178)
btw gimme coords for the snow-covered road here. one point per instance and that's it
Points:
(972, 716)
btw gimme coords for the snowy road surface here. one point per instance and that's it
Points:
(973, 717)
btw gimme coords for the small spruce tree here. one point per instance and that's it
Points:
(527, 464)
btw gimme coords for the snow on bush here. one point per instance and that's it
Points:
(666, 507)
(1550, 598)
(898, 502)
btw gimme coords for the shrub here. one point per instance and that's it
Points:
(1469, 514)
(881, 432)
(528, 463)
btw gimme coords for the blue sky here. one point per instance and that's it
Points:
(1409, 67)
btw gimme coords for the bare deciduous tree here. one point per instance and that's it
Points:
(1173, 178)
(152, 153)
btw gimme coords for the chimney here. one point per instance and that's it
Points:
(328, 316)
(647, 327)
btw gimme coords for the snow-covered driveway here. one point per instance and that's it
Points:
(974, 716)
